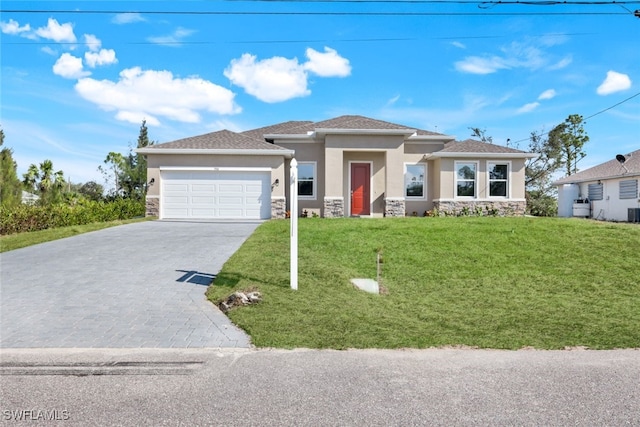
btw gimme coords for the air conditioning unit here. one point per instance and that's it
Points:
(634, 214)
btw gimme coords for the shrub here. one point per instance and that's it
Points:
(24, 218)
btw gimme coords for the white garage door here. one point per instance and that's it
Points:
(215, 194)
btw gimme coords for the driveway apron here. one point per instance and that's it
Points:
(135, 285)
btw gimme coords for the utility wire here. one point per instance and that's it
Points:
(229, 13)
(479, 3)
(587, 118)
(360, 40)
(613, 106)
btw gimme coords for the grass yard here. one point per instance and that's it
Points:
(485, 282)
(22, 240)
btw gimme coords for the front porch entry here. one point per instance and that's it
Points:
(360, 178)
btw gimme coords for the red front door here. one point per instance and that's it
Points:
(360, 191)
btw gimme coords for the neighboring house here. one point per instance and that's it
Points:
(29, 198)
(607, 191)
(347, 166)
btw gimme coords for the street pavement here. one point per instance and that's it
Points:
(135, 285)
(250, 387)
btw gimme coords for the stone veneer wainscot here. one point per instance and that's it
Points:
(152, 206)
(504, 208)
(394, 206)
(278, 207)
(333, 207)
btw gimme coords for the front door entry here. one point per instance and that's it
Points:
(360, 188)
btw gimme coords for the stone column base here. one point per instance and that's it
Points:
(278, 208)
(481, 208)
(334, 207)
(152, 206)
(394, 206)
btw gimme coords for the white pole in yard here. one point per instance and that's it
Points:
(294, 223)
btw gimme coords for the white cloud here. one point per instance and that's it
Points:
(458, 45)
(478, 65)
(49, 51)
(104, 57)
(69, 67)
(13, 28)
(270, 80)
(57, 32)
(547, 94)
(515, 55)
(327, 64)
(527, 108)
(614, 82)
(393, 100)
(173, 39)
(137, 117)
(151, 94)
(553, 39)
(563, 63)
(93, 43)
(127, 18)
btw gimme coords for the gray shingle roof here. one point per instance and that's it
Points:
(293, 126)
(341, 122)
(473, 146)
(220, 140)
(357, 122)
(609, 169)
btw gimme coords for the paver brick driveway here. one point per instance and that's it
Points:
(135, 285)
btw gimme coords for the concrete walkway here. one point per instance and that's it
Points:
(136, 285)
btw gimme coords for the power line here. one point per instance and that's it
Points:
(613, 106)
(228, 42)
(253, 13)
(479, 3)
(357, 40)
(589, 117)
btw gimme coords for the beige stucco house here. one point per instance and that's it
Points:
(347, 166)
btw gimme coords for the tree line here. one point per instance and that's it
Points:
(45, 186)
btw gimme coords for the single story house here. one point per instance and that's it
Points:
(347, 166)
(608, 191)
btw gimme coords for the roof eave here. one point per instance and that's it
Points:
(298, 136)
(430, 138)
(326, 131)
(218, 151)
(461, 155)
(581, 180)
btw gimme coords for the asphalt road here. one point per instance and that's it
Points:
(242, 387)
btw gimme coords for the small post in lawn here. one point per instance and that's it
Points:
(294, 223)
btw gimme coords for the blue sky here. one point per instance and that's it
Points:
(76, 84)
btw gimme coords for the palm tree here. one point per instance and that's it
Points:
(44, 181)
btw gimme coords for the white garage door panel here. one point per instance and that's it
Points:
(176, 187)
(175, 200)
(202, 188)
(203, 200)
(219, 194)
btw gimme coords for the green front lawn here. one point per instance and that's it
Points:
(486, 282)
(21, 240)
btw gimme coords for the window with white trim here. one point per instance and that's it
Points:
(466, 173)
(307, 180)
(414, 176)
(498, 179)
